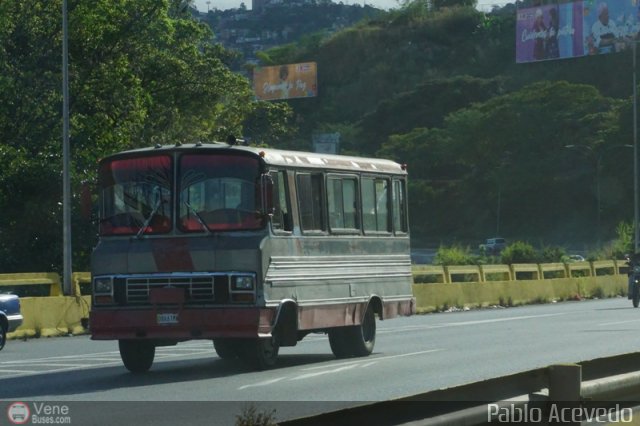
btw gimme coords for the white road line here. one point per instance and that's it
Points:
(325, 372)
(604, 324)
(3, 371)
(265, 383)
(59, 364)
(463, 323)
(374, 358)
(334, 368)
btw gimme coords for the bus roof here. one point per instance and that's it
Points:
(278, 157)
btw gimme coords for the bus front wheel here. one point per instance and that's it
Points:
(226, 348)
(137, 355)
(261, 353)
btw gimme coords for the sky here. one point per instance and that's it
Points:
(381, 4)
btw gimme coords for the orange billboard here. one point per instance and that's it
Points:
(285, 81)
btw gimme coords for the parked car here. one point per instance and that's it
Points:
(493, 246)
(10, 316)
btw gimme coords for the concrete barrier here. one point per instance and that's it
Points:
(52, 316)
(31, 284)
(439, 296)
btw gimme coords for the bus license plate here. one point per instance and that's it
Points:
(167, 319)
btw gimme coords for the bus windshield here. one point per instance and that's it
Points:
(135, 196)
(218, 192)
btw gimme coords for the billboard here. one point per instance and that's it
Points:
(326, 143)
(285, 81)
(573, 29)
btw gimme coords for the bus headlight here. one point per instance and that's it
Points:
(245, 282)
(103, 291)
(103, 285)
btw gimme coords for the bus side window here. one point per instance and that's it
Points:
(282, 219)
(399, 207)
(342, 203)
(311, 200)
(375, 204)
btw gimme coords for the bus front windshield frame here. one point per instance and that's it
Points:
(216, 192)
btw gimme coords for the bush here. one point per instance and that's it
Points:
(552, 254)
(519, 252)
(455, 255)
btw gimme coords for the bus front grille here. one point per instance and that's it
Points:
(201, 289)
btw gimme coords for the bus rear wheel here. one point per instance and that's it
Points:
(339, 342)
(357, 340)
(363, 336)
(137, 355)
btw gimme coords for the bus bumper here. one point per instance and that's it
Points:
(180, 324)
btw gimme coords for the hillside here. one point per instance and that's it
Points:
(444, 84)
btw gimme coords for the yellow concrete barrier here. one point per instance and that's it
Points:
(52, 316)
(553, 270)
(463, 273)
(503, 272)
(530, 269)
(434, 297)
(32, 283)
(580, 269)
(429, 274)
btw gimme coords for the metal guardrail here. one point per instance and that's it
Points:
(587, 383)
(515, 272)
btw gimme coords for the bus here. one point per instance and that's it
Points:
(252, 248)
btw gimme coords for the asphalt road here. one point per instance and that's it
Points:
(412, 355)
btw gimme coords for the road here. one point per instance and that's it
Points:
(412, 355)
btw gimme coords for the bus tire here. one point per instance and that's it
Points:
(362, 338)
(339, 342)
(226, 348)
(137, 355)
(261, 353)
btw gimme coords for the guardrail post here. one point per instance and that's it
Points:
(564, 382)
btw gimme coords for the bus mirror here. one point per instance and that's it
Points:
(267, 194)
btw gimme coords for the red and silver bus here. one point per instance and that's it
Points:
(252, 248)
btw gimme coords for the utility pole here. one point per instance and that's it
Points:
(66, 180)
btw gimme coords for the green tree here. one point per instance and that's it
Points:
(141, 72)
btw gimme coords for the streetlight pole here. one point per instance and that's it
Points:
(66, 180)
(635, 155)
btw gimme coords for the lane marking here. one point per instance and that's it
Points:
(334, 368)
(381, 358)
(325, 372)
(463, 323)
(265, 383)
(604, 324)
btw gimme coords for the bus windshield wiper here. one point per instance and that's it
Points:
(147, 221)
(197, 215)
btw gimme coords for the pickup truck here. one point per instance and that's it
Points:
(10, 316)
(493, 246)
